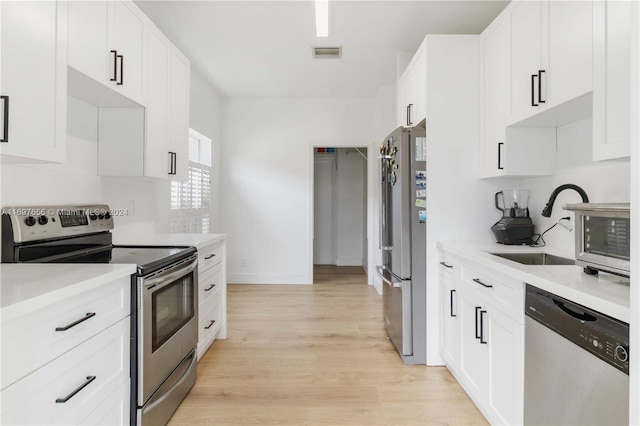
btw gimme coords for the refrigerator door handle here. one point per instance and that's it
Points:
(390, 283)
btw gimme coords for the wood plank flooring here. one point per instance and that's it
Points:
(316, 355)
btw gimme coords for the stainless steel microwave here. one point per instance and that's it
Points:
(603, 234)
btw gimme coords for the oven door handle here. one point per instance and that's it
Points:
(167, 277)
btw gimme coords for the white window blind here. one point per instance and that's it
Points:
(191, 199)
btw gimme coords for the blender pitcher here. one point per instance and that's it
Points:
(513, 202)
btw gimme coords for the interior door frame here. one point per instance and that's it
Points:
(334, 204)
(371, 197)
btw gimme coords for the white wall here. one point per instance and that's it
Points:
(267, 174)
(460, 206)
(602, 181)
(351, 214)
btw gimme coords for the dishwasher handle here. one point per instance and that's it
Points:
(584, 316)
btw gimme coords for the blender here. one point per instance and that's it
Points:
(516, 226)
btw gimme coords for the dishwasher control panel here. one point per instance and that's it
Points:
(599, 334)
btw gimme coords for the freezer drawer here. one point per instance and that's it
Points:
(396, 297)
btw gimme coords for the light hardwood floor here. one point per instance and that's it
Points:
(315, 355)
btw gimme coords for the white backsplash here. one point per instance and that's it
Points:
(602, 181)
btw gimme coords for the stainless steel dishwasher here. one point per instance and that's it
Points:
(576, 364)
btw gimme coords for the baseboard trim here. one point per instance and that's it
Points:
(295, 279)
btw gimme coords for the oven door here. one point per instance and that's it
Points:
(167, 323)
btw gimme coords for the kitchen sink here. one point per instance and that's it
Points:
(536, 258)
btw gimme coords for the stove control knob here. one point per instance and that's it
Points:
(107, 215)
(43, 220)
(100, 216)
(30, 221)
(622, 353)
(93, 216)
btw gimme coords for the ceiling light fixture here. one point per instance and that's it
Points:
(322, 18)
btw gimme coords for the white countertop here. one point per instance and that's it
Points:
(199, 241)
(605, 293)
(27, 287)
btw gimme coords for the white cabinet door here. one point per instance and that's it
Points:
(33, 81)
(525, 60)
(505, 341)
(495, 77)
(88, 44)
(612, 49)
(127, 38)
(179, 141)
(570, 51)
(474, 355)
(418, 110)
(157, 118)
(449, 323)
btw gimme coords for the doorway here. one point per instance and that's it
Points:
(340, 209)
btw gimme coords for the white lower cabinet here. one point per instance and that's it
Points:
(69, 362)
(212, 296)
(68, 389)
(482, 321)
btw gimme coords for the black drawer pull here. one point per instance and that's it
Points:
(78, 389)
(210, 256)
(477, 280)
(73, 324)
(115, 66)
(445, 265)
(540, 100)
(477, 332)
(5, 130)
(121, 82)
(210, 325)
(210, 288)
(533, 90)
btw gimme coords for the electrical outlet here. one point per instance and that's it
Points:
(567, 224)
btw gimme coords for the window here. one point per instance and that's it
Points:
(190, 200)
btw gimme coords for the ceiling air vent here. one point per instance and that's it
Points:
(327, 52)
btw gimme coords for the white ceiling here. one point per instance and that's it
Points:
(263, 48)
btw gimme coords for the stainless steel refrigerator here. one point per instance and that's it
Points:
(403, 216)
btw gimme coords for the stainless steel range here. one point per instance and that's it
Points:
(164, 313)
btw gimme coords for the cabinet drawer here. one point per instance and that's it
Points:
(209, 324)
(205, 308)
(83, 378)
(502, 292)
(209, 282)
(448, 266)
(32, 340)
(209, 256)
(114, 410)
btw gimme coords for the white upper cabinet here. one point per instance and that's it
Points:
(513, 151)
(157, 157)
(612, 52)
(127, 39)
(179, 139)
(33, 81)
(551, 56)
(107, 44)
(412, 90)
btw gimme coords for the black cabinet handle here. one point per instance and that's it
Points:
(477, 332)
(409, 115)
(540, 100)
(477, 280)
(445, 265)
(115, 65)
(175, 163)
(73, 324)
(121, 82)
(210, 325)
(500, 146)
(210, 256)
(5, 131)
(210, 287)
(484, 342)
(533, 89)
(172, 163)
(78, 389)
(451, 314)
